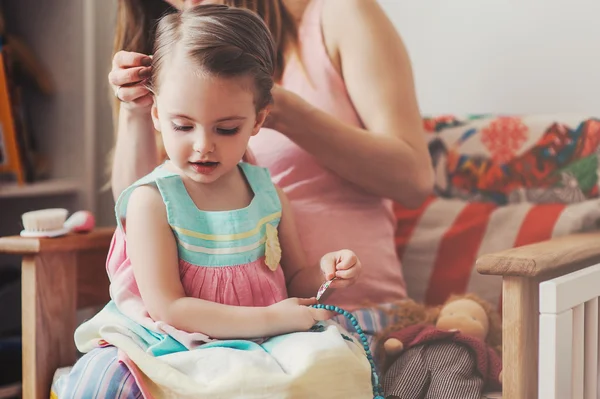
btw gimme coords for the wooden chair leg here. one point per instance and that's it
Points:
(520, 319)
(49, 295)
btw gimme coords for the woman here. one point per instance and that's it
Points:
(344, 136)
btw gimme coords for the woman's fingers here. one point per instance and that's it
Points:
(141, 102)
(132, 93)
(128, 59)
(124, 77)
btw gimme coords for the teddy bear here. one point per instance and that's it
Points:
(449, 351)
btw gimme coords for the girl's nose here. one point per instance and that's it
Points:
(203, 144)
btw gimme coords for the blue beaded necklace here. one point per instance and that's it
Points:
(377, 390)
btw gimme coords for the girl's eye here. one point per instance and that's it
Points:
(181, 128)
(227, 132)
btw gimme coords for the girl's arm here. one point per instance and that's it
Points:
(303, 280)
(152, 248)
(389, 157)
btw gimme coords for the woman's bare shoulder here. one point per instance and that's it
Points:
(345, 14)
(345, 21)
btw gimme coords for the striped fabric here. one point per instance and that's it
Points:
(98, 371)
(443, 370)
(445, 237)
(371, 320)
(489, 199)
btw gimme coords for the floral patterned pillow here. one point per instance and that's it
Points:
(501, 182)
(509, 159)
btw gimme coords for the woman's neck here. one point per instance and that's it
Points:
(296, 8)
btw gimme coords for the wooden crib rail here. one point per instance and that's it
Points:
(569, 335)
(559, 255)
(522, 270)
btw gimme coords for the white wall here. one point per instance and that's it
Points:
(517, 56)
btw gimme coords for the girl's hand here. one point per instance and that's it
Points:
(344, 265)
(295, 314)
(127, 77)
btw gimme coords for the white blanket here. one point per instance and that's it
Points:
(327, 363)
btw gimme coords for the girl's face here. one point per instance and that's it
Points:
(205, 121)
(183, 4)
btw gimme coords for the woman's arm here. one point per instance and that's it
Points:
(390, 156)
(135, 150)
(152, 248)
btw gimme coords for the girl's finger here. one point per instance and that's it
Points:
(346, 261)
(345, 274)
(321, 314)
(328, 265)
(340, 283)
(307, 301)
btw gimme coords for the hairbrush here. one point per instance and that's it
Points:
(53, 222)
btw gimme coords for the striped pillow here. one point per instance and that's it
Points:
(501, 182)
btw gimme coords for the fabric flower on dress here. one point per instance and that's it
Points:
(272, 248)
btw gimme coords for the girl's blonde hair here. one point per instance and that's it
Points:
(220, 40)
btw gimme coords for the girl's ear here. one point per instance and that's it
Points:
(261, 117)
(154, 113)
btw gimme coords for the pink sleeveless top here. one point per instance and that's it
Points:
(330, 212)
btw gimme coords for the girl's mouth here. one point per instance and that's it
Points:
(204, 168)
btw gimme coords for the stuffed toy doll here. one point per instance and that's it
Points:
(450, 351)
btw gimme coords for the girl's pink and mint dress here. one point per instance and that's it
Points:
(229, 257)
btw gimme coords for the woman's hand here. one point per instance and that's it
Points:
(294, 314)
(127, 77)
(344, 265)
(285, 104)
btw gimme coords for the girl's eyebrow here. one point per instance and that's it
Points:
(175, 115)
(231, 118)
(227, 118)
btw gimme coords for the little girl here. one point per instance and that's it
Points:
(206, 251)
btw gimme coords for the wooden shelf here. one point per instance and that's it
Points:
(44, 188)
(11, 391)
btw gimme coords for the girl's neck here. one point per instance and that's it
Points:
(221, 183)
(229, 192)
